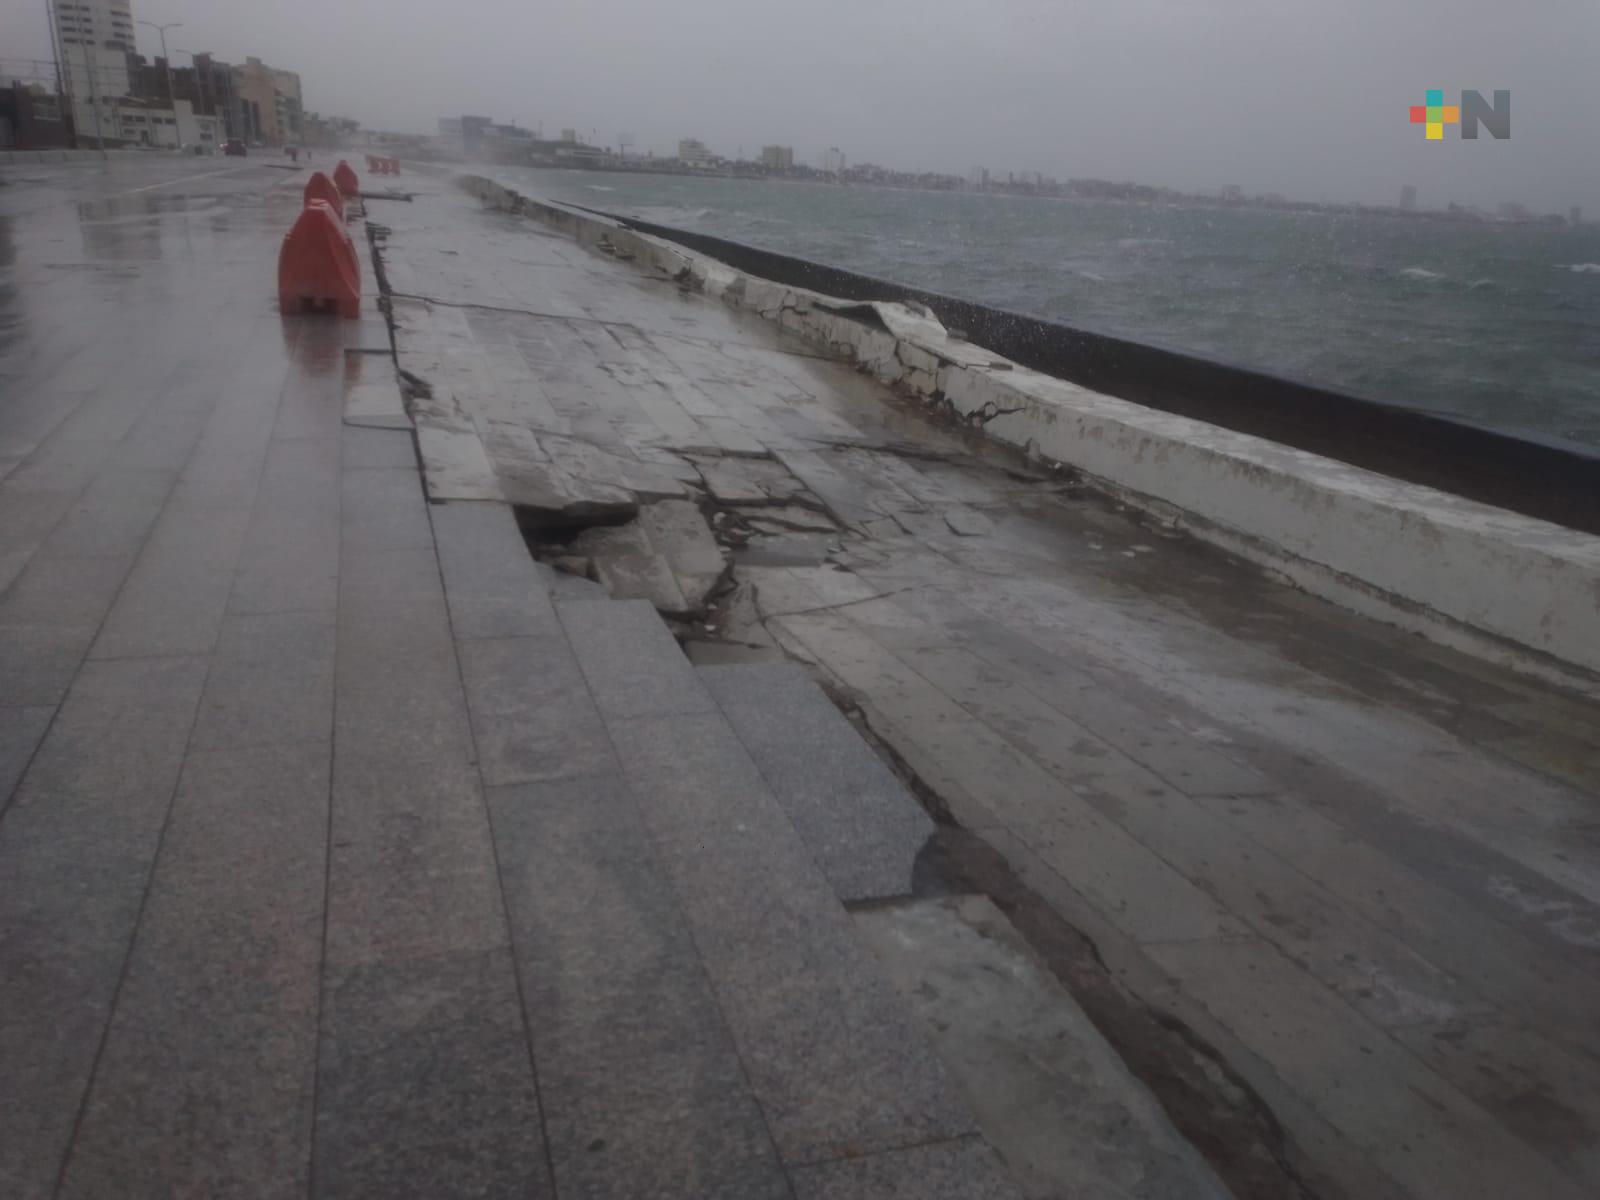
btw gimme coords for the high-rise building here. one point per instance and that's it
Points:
(1575, 216)
(269, 102)
(777, 158)
(95, 38)
(1408, 198)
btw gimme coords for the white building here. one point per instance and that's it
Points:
(693, 152)
(142, 123)
(95, 38)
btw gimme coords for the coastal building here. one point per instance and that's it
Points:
(777, 158)
(206, 86)
(832, 161)
(94, 39)
(693, 152)
(270, 106)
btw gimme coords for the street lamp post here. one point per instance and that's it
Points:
(166, 62)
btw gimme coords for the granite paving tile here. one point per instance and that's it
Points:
(492, 582)
(21, 731)
(76, 848)
(532, 716)
(174, 597)
(424, 1086)
(395, 448)
(205, 1083)
(412, 870)
(644, 1092)
(384, 509)
(64, 591)
(271, 682)
(633, 664)
(960, 1169)
(862, 826)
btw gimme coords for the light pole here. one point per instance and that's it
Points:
(166, 61)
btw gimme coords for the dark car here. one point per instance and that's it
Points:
(235, 147)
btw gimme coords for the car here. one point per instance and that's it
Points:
(235, 147)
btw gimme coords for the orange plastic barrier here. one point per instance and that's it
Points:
(320, 187)
(317, 265)
(344, 175)
(394, 166)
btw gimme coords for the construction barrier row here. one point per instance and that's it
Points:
(317, 264)
(383, 166)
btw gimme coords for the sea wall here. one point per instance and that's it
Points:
(1493, 582)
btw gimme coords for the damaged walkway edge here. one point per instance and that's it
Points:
(1502, 586)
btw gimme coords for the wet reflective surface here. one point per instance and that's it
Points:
(1361, 866)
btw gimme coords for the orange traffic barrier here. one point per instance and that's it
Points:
(320, 187)
(344, 175)
(317, 264)
(394, 166)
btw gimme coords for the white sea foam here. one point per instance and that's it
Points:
(1419, 273)
(1582, 268)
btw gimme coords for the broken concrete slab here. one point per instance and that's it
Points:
(628, 566)
(789, 518)
(585, 461)
(667, 556)
(749, 481)
(1030, 1062)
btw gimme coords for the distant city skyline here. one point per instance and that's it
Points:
(1302, 99)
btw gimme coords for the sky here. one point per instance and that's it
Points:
(1304, 97)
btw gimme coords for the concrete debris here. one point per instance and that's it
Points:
(666, 556)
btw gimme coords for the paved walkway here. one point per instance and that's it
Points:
(345, 850)
(1361, 867)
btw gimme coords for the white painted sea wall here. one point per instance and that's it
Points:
(1495, 583)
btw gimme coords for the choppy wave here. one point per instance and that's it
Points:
(1090, 275)
(599, 187)
(1582, 268)
(1478, 283)
(1419, 273)
(1136, 243)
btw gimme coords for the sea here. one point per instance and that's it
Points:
(1498, 324)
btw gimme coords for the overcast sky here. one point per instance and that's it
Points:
(1305, 97)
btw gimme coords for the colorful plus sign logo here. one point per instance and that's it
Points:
(1435, 115)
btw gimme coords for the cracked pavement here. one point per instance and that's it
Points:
(1359, 867)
